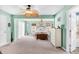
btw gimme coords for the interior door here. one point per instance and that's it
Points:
(77, 31)
(21, 29)
(73, 31)
(3, 30)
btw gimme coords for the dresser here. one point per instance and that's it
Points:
(42, 36)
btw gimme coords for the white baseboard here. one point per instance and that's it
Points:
(63, 48)
(4, 44)
(77, 45)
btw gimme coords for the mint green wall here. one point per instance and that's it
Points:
(28, 27)
(25, 28)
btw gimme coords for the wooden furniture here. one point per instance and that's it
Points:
(42, 36)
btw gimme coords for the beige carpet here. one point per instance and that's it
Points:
(30, 46)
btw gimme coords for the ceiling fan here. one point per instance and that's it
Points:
(30, 12)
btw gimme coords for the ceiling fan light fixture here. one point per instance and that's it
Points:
(31, 12)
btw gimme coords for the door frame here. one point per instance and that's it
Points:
(69, 29)
(68, 35)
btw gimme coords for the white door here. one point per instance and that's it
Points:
(77, 31)
(73, 31)
(3, 30)
(21, 29)
(53, 36)
(68, 35)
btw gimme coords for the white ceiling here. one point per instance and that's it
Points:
(42, 9)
